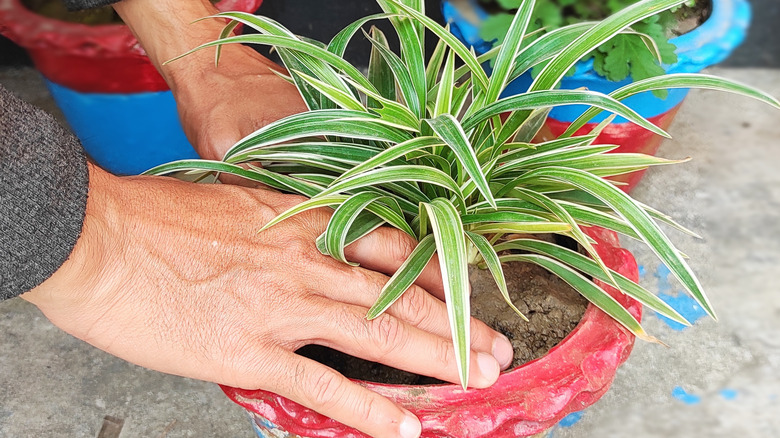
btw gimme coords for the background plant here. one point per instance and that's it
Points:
(638, 53)
(431, 149)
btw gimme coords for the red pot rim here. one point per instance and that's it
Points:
(526, 400)
(34, 31)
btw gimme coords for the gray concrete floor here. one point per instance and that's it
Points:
(715, 379)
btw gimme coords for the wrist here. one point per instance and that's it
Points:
(76, 281)
(168, 28)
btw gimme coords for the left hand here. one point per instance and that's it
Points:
(219, 106)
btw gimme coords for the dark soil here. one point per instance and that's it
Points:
(552, 307)
(689, 18)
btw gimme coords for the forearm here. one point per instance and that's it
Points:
(167, 28)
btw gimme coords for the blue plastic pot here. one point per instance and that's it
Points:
(112, 96)
(125, 134)
(704, 46)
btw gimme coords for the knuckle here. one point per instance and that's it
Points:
(399, 246)
(370, 281)
(388, 334)
(444, 353)
(413, 306)
(327, 388)
(364, 409)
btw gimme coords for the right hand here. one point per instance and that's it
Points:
(174, 277)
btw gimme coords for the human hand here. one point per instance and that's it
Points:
(218, 104)
(174, 277)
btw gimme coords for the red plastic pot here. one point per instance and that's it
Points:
(631, 138)
(525, 401)
(100, 59)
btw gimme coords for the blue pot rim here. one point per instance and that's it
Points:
(710, 43)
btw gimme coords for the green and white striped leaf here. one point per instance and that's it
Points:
(563, 215)
(379, 72)
(412, 40)
(502, 216)
(453, 261)
(291, 43)
(341, 222)
(443, 103)
(339, 42)
(365, 223)
(404, 277)
(502, 67)
(392, 112)
(639, 220)
(522, 227)
(553, 98)
(676, 80)
(385, 175)
(340, 97)
(402, 76)
(344, 123)
(449, 130)
(389, 155)
(277, 181)
(434, 64)
(556, 69)
(467, 56)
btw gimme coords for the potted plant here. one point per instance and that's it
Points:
(107, 88)
(663, 43)
(433, 150)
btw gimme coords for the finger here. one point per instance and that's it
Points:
(416, 307)
(390, 341)
(324, 390)
(385, 249)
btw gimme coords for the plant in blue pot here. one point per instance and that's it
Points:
(688, 39)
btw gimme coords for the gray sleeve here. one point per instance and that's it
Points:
(43, 195)
(75, 5)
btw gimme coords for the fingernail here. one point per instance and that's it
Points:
(488, 367)
(410, 427)
(503, 351)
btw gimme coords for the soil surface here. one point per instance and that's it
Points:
(552, 307)
(692, 17)
(689, 18)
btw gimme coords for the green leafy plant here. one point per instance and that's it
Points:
(637, 53)
(429, 148)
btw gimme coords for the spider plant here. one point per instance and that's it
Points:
(431, 149)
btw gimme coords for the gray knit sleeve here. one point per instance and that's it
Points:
(75, 5)
(43, 195)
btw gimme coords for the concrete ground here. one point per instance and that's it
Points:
(715, 380)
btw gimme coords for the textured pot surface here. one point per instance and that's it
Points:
(526, 400)
(103, 58)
